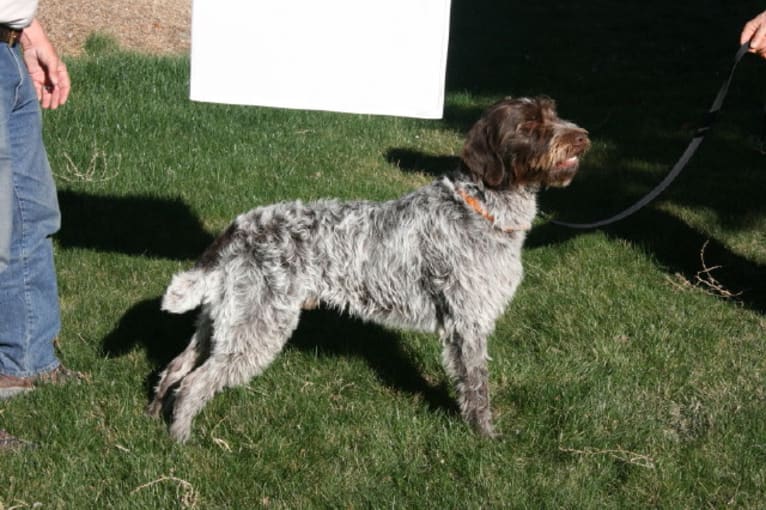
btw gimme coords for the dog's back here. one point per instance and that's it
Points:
(328, 247)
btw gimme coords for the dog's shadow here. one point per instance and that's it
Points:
(161, 335)
(131, 225)
(321, 332)
(329, 333)
(413, 160)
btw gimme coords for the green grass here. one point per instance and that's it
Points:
(617, 380)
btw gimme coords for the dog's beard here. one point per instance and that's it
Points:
(561, 178)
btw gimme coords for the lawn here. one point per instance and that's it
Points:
(629, 372)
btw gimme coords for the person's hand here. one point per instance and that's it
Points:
(755, 33)
(49, 73)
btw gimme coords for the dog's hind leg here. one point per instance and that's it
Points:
(194, 354)
(239, 353)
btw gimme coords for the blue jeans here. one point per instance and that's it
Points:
(29, 215)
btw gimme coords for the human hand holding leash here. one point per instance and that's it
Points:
(754, 31)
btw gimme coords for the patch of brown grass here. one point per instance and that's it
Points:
(147, 26)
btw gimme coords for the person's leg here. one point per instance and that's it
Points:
(9, 79)
(29, 307)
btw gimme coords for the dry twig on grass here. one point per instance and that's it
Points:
(628, 457)
(185, 491)
(705, 280)
(97, 169)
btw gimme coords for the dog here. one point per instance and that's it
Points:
(445, 258)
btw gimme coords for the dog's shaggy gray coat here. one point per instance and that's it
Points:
(445, 258)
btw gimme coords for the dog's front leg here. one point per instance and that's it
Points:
(465, 360)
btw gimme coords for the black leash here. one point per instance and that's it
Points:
(709, 119)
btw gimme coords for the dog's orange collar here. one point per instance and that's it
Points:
(474, 204)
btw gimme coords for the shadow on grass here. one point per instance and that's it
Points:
(161, 335)
(414, 160)
(676, 247)
(327, 333)
(145, 226)
(321, 333)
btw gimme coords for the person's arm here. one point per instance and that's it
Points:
(49, 73)
(755, 32)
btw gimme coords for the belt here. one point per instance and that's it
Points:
(9, 35)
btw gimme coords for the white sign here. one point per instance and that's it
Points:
(385, 57)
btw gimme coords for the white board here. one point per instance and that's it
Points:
(385, 57)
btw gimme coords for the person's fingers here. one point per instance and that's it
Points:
(53, 89)
(64, 84)
(758, 40)
(747, 32)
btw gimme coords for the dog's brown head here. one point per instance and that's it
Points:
(521, 142)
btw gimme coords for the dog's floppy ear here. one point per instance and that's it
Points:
(481, 154)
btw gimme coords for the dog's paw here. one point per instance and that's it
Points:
(154, 408)
(180, 432)
(483, 426)
(489, 433)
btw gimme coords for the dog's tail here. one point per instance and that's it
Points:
(185, 292)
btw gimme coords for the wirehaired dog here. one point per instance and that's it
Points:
(445, 258)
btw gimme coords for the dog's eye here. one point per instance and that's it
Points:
(527, 128)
